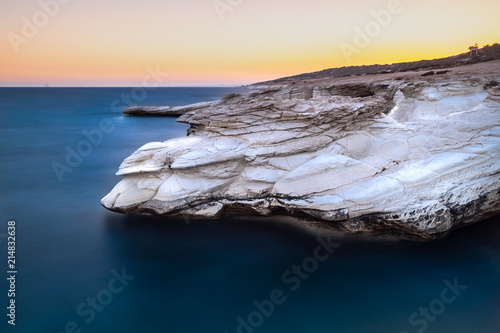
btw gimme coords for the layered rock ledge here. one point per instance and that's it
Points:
(165, 111)
(405, 154)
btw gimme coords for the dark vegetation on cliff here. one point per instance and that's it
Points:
(487, 53)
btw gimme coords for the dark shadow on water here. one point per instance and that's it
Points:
(241, 230)
(216, 268)
(484, 234)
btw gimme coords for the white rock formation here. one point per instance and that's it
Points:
(402, 154)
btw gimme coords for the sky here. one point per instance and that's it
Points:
(226, 42)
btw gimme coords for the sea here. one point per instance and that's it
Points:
(76, 267)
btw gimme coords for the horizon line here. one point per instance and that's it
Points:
(135, 87)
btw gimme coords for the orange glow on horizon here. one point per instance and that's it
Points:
(113, 44)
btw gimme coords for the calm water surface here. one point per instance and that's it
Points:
(203, 276)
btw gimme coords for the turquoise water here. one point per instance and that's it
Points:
(82, 268)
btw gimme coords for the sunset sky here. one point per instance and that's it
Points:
(207, 42)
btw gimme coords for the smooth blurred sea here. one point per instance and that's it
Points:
(200, 276)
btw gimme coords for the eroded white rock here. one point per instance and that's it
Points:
(391, 153)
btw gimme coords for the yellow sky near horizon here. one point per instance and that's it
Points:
(111, 43)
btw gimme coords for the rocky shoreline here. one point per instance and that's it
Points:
(411, 155)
